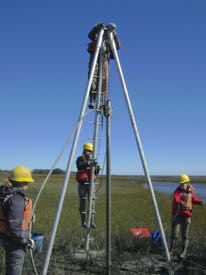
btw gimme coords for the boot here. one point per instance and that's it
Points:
(93, 225)
(91, 104)
(184, 249)
(92, 97)
(84, 225)
(83, 218)
(173, 251)
(172, 245)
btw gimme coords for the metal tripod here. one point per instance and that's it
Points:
(107, 32)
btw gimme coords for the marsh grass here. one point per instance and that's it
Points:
(131, 207)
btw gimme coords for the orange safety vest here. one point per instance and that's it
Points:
(27, 216)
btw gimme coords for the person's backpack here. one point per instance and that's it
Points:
(3, 222)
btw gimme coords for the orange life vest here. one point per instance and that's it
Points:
(83, 176)
(27, 215)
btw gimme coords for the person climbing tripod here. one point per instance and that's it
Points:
(84, 165)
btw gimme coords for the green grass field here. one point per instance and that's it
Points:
(131, 207)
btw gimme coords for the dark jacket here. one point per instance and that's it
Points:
(13, 209)
(84, 170)
(82, 163)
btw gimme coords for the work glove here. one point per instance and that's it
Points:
(31, 244)
(202, 203)
(92, 162)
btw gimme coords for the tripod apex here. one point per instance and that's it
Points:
(111, 26)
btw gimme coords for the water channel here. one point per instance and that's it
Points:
(169, 188)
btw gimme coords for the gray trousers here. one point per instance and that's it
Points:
(95, 79)
(15, 254)
(83, 190)
(184, 223)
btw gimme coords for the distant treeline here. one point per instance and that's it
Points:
(46, 171)
(40, 171)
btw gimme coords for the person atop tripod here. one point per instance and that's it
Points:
(93, 35)
(84, 165)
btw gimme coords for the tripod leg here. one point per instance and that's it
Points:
(137, 137)
(108, 188)
(72, 153)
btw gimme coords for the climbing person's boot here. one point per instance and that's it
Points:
(93, 225)
(84, 224)
(91, 104)
(184, 249)
(172, 247)
(92, 97)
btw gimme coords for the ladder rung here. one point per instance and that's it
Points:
(85, 198)
(92, 212)
(92, 122)
(89, 183)
(90, 239)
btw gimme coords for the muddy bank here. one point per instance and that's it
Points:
(151, 264)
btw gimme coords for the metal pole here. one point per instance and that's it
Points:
(72, 153)
(108, 187)
(94, 156)
(137, 137)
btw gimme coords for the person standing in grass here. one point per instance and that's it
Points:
(183, 199)
(83, 176)
(15, 218)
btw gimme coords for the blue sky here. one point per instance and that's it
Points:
(43, 75)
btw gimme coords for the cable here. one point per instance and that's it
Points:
(100, 185)
(45, 182)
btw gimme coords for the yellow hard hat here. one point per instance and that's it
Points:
(184, 178)
(88, 146)
(21, 174)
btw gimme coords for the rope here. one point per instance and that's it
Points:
(45, 182)
(101, 178)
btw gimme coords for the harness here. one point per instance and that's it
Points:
(184, 206)
(186, 198)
